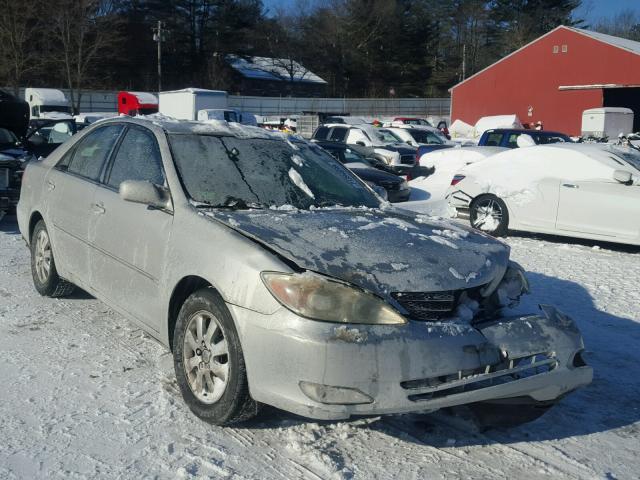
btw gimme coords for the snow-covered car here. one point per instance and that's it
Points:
(274, 276)
(579, 190)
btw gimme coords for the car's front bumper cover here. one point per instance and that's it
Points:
(420, 366)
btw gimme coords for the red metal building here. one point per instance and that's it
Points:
(554, 79)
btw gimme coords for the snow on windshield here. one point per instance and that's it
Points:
(258, 172)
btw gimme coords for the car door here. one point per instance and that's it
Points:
(70, 186)
(129, 240)
(600, 206)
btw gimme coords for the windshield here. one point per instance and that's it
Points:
(257, 173)
(386, 136)
(425, 136)
(54, 108)
(7, 137)
(417, 121)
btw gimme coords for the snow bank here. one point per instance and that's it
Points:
(460, 129)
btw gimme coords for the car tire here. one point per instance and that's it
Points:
(209, 363)
(489, 214)
(43, 266)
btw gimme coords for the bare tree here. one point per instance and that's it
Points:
(86, 33)
(18, 51)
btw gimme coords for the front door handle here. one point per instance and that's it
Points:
(98, 208)
(50, 185)
(570, 185)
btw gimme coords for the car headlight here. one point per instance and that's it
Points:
(319, 298)
(514, 284)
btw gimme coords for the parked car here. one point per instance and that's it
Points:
(275, 276)
(508, 137)
(579, 190)
(386, 146)
(396, 188)
(20, 140)
(417, 136)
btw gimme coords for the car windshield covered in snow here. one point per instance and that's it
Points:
(229, 172)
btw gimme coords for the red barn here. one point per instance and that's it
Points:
(554, 79)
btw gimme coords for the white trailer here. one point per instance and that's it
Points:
(607, 122)
(47, 103)
(218, 114)
(185, 104)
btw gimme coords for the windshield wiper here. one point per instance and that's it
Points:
(231, 203)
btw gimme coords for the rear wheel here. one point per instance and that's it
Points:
(209, 363)
(43, 266)
(489, 214)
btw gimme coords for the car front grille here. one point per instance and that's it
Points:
(4, 178)
(464, 381)
(407, 159)
(433, 306)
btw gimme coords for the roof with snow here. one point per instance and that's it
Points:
(274, 69)
(623, 43)
(145, 97)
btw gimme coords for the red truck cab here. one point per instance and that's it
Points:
(137, 103)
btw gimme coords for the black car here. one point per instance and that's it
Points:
(21, 140)
(370, 171)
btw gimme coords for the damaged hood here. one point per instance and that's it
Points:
(380, 250)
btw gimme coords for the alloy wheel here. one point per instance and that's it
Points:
(206, 357)
(488, 216)
(43, 256)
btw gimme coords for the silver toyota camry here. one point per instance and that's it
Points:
(276, 276)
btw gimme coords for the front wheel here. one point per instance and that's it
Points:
(209, 363)
(43, 266)
(489, 214)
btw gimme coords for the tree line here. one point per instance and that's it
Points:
(362, 48)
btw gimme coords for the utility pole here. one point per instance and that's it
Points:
(464, 61)
(157, 36)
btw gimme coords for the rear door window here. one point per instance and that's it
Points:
(91, 152)
(321, 133)
(513, 140)
(494, 139)
(138, 158)
(338, 134)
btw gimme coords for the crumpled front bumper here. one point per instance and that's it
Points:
(420, 366)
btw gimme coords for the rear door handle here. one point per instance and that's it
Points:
(570, 185)
(98, 208)
(50, 185)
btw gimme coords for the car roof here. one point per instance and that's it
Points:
(211, 127)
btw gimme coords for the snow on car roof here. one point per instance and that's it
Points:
(278, 69)
(213, 127)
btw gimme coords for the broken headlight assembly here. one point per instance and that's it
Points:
(513, 285)
(319, 298)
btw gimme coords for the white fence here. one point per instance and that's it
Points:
(106, 101)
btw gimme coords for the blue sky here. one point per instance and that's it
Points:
(592, 9)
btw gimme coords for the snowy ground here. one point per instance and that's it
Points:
(85, 394)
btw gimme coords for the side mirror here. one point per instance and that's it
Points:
(623, 176)
(146, 193)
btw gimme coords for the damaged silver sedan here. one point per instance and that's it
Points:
(277, 277)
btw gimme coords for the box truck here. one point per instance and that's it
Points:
(47, 103)
(185, 104)
(607, 122)
(137, 103)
